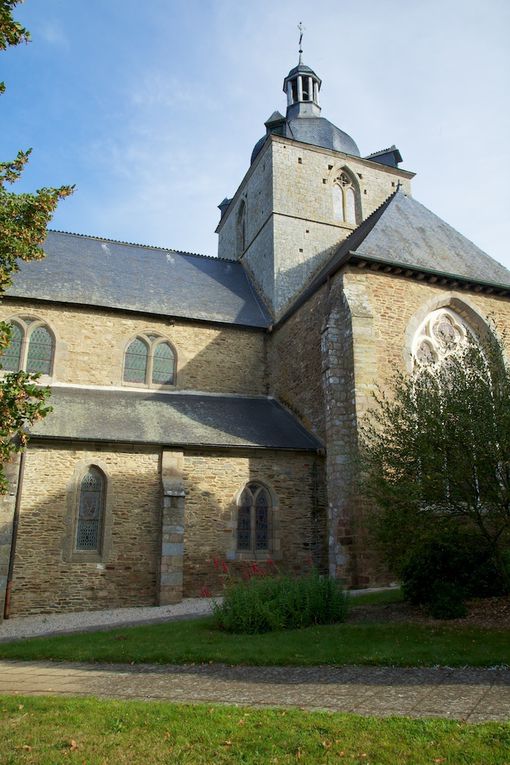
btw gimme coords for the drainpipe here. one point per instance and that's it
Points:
(15, 524)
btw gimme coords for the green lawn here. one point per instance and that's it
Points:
(196, 641)
(50, 731)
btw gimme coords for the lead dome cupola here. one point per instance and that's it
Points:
(303, 121)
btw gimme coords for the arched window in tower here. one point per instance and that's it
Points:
(91, 510)
(31, 348)
(344, 199)
(254, 519)
(241, 228)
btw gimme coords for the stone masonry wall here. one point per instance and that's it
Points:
(367, 341)
(90, 346)
(294, 364)
(46, 579)
(307, 231)
(213, 482)
(291, 226)
(256, 191)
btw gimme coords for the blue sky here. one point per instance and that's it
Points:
(152, 108)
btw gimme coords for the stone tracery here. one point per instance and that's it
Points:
(442, 333)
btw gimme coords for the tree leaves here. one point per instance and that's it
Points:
(23, 222)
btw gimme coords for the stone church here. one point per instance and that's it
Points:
(206, 410)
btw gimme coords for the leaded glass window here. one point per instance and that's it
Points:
(90, 511)
(253, 519)
(163, 365)
(40, 351)
(12, 355)
(135, 365)
(32, 347)
(149, 360)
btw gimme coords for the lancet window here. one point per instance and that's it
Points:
(241, 228)
(344, 199)
(91, 506)
(254, 519)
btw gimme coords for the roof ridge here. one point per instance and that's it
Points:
(138, 244)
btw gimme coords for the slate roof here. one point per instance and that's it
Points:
(402, 232)
(174, 419)
(90, 271)
(409, 234)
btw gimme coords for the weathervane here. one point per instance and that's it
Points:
(301, 30)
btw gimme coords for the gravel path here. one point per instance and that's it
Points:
(86, 621)
(21, 627)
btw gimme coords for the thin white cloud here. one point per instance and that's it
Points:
(51, 32)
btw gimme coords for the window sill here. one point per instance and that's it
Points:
(261, 555)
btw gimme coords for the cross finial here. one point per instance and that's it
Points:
(301, 30)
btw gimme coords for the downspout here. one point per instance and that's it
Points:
(15, 524)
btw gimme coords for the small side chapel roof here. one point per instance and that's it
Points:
(87, 270)
(177, 419)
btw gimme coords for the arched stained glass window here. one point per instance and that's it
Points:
(90, 511)
(135, 364)
(253, 518)
(32, 347)
(149, 360)
(11, 357)
(163, 365)
(40, 351)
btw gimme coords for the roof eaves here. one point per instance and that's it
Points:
(433, 275)
(139, 312)
(185, 445)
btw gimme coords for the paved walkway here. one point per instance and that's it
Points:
(474, 695)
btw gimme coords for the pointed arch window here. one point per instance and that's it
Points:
(91, 511)
(345, 199)
(149, 360)
(442, 333)
(32, 347)
(254, 519)
(241, 228)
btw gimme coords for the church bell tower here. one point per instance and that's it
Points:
(306, 190)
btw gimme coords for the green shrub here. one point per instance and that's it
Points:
(447, 602)
(440, 573)
(264, 604)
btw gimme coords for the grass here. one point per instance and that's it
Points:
(50, 731)
(196, 641)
